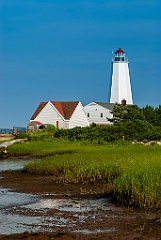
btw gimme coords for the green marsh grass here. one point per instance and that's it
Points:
(140, 181)
(133, 171)
(41, 148)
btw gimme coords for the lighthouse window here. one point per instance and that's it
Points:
(119, 59)
(88, 115)
(101, 115)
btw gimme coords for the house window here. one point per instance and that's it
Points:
(88, 115)
(101, 115)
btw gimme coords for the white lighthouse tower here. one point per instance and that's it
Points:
(120, 86)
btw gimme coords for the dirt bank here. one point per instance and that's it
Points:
(6, 137)
(128, 224)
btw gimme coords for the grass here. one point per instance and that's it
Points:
(133, 171)
(56, 146)
(41, 148)
(140, 181)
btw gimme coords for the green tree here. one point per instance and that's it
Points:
(158, 116)
(128, 112)
(150, 115)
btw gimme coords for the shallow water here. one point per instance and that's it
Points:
(20, 212)
(14, 164)
(17, 224)
(26, 212)
(9, 199)
(70, 205)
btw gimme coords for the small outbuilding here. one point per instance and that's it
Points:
(33, 126)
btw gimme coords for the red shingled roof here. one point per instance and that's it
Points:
(119, 51)
(66, 109)
(38, 110)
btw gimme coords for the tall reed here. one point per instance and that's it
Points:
(133, 171)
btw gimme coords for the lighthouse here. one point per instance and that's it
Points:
(120, 79)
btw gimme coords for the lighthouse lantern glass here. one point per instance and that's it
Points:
(119, 57)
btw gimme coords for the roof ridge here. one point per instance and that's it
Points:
(65, 108)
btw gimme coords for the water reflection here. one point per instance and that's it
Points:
(14, 164)
(20, 212)
(18, 224)
(8, 199)
(71, 205)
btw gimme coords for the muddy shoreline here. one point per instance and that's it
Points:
(126, 223)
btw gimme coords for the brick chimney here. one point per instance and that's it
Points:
(123, 102)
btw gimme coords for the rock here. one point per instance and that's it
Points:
(3, 153)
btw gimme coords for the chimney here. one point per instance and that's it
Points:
(123, 102)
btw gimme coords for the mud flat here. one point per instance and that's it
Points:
(36, 207)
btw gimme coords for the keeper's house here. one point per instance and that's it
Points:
(99, 112)
(64, 115)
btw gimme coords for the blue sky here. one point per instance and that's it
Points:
(61, 51)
